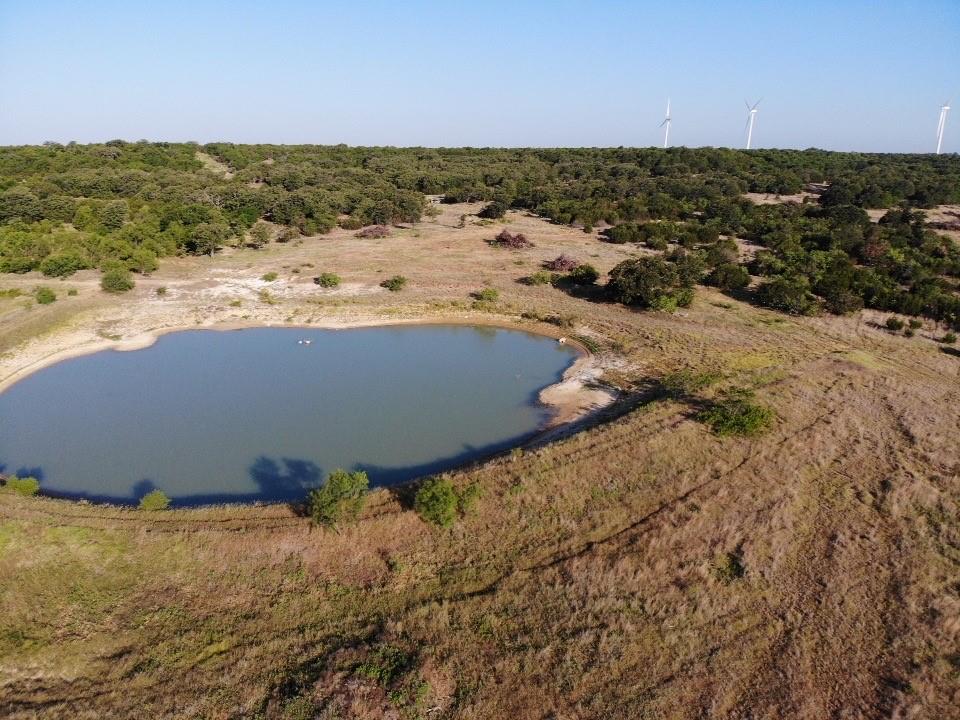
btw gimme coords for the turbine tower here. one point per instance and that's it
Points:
(751, 118)
(944, 109)
(666, 122)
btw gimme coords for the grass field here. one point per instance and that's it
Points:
(641, 568)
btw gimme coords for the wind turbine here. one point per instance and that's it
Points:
(666, 121)
(944, 109)
(751, 118)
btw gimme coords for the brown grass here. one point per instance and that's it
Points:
(583, 585)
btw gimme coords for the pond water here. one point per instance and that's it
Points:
(237, 416)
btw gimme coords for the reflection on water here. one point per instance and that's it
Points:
(210, 416)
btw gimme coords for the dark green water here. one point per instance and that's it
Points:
(211, 416)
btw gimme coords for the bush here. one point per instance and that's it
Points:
(394, 284)
(950, 338)
(561, 263)
(789, 295)
(260, 235)
(436, 502)
(505, 239)
(486, 295)
(374, 231)
(45, 295)
(727, 567)
(734, 413)
(116, 280)
(894, 324)
(909, 332)
(327, 280)
(915, 324)
(843, 302)
(155, 500)
(62, 264)
(729, 276)
(493, 211)
(26, 486)
(541, 277)
(650, 282)
(269, 277)
(341, 498)
(583, 275)
(161, 291)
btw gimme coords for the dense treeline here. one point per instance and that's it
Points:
(123, 205)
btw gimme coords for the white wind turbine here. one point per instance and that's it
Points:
(944, 109)
(751, 118)
(666, 122)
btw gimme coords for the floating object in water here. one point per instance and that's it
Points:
(307, 342)
(562, 340)
(299, 342)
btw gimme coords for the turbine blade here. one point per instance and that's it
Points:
(748, 106)
(664, 122)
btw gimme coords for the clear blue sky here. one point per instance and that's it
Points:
(836, 74)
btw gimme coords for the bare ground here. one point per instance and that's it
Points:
(587, 583)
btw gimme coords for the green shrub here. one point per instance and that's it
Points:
(734, 413)
(327, 280)
(487, 295)
(437, 502)
(162, 290)
(727, 567)
(950, 338)
(72, 291)
(789, 295)
(116, 280)
(62, 264)
(26, 486)
(340, 499)
(915, 324)
(155, 500)
(909, 332)
(729, 276)
(394, 284)
(541, 277)
(894, 324)
(469, 498)
(269, 277)
(386, 664)
(493, 211)
(583, 275)
(45, 295)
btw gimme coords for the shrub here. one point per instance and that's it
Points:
(374, 231)
(650, 282)
(469, 497)
(493, 211)
(45, 295)
(155, 500)
(561, 263)
(729, 276)
(541, 277)
(486, 295)
(394, 284)
(26, 486)
(116, 280)
(341, 498)
(915, 324)
(624, 233)
(789, 295)
(161, 291)
(327, 280)
(843, 302)
(727, 567)
(583, 275)
(950, 338)
(505, 239)
(436, 502)
(734, 413)
(62, 264)
(260, 235)
(269, 277)
(909, 332)
(894, 324)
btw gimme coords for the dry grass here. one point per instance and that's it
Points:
(583, 585)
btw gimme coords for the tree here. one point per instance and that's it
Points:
(583, 275)
(436, 502)
(642, 281)
(341, 498)
(493, 211)
(25, 486)
(207, 238)
(787, 294)
(260, 235)
(729, 276)
(114, 214)
(63, 264)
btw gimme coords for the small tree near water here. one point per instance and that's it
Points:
(437, 502)
(26, 486)
(340, 499)
(155, 500)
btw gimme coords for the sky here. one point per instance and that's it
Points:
(833, 74)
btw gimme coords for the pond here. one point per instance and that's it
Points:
(265, 414)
